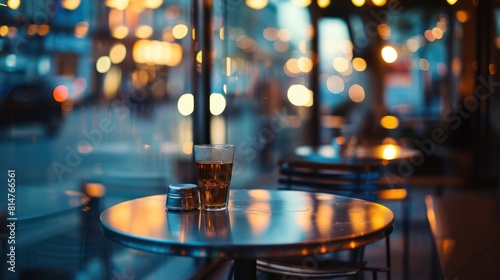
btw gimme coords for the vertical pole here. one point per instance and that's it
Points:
(201, 87)
(315, 122)
(481, 117)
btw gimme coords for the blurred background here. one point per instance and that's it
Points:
(115, 92)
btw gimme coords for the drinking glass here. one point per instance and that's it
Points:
(214, 166)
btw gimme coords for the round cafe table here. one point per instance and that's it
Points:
(257, 224)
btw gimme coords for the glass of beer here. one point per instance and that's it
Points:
(214, 166)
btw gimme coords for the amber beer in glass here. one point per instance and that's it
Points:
(214, 166)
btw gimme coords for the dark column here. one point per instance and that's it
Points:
(201, 87)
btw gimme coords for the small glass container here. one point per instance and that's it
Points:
(182, 197)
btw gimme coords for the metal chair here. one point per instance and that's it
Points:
(364, 181)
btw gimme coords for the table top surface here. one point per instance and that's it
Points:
(466, 230)
(258, 223)
(355, 154)
(40, 202)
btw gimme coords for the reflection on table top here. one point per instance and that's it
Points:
(39, 202)
(258, 223)
(333, 154)
(41, 212)
(466, 231)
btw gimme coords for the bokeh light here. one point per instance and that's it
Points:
(256, 4)
(356, 93)
(103, 64)
(389, 54)
(389, 122)
(117, 53)
(60, 93)
(185, 104)
(217, 104)
(298, 95)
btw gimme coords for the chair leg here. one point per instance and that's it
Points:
(388, 256)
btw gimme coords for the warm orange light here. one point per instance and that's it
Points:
(43, 29)
(356, 93)
(60, 93)
(94, 189)
(389, 122)
(462, 16)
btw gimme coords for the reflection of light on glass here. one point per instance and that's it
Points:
(389, 54)
(303, 46)
(323, 3)
(359, 64)
(60, 93)
(384, 30)
(117, 53)
(335, 84)
(180, 31)
(94, 189)
(356, 93)
(112, 82)
(81, 29)
(187, 148)
(270, 33)
(462, 16)
(389, 122)
(305, 64)
(451, 2)
(389, 152)
(340, 64)
(358, 3)
(456, 65)
(144, 31)
(217, 104)
(424, 64)
(298, 95)
(13, 4)
(119, 32)
(379, 2)
(103, 64)
(256, 4)
(70, 4)
(185, 105)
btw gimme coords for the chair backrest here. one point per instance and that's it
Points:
(361, 180)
